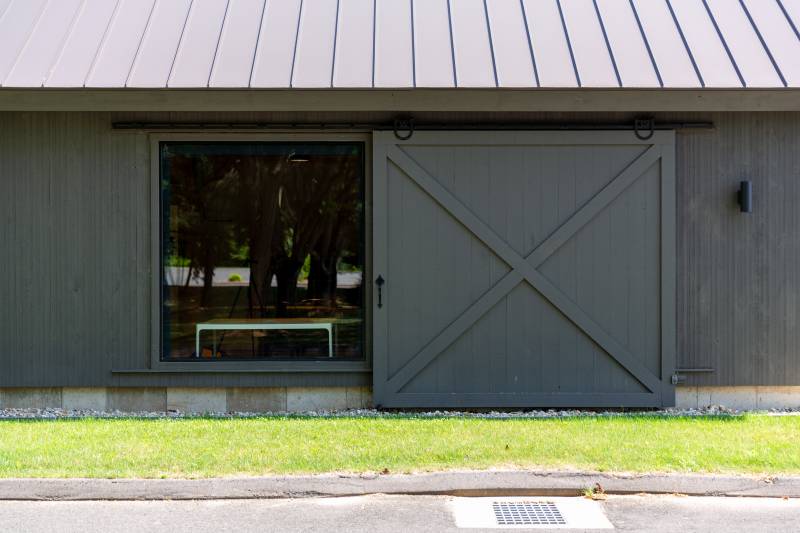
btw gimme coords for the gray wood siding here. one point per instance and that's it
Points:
(75, 249)
(739, 274)
(76, 224)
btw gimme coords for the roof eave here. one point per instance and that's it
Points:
(400, 100)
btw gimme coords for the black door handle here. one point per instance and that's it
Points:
(379, 281)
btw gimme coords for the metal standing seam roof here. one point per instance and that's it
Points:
(400, 43)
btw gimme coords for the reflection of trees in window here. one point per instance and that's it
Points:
(271, 213)
(259, 185)
(318, 212)
(202, 198)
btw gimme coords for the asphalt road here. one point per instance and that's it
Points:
(381, 513)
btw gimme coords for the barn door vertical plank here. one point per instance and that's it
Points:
(668, 252)
(380, 266)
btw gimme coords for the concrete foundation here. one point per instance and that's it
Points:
(303, 399)
(188, 400)
(740, 398)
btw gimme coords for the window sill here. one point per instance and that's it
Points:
(243, 367)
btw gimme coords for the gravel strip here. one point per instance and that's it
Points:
(715, 410)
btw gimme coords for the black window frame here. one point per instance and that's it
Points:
(160, 364)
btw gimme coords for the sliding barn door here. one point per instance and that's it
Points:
(523, 269)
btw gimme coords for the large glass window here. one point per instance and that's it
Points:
(262, 250)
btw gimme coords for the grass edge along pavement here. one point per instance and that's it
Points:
(203, 447)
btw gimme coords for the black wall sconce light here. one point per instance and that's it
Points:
(745, 197)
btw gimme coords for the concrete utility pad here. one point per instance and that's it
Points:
(527, 512)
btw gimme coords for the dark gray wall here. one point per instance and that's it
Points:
(76, 226)
(739, 274)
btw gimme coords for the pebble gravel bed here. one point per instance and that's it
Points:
(715, 410)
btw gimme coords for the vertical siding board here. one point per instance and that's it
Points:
(387, 185)
(467, 374)
(22, 225)
(517, 352)
(427, 274)
(551, 353)
(6, 227)
(533, 167)
(500, 174)
(565, 279)
(27, 276)
(584, 267)
(774, 344)
(656, 339)
(641, 299)
(442, 268)
(481, 259)
(381, 247)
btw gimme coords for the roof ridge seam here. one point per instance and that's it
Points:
(530, 41)
(5, 10)
(646, 43)
(296, 39)
(725, 44)
(452, 44)
(141, 41)
(685, 44)
(608, 43)
(219, 41)
(335, 39)
(258, 43)
(26, 43)
(569, 43)
(413, 48)
(102, 42)
(180, 43)
(67, 36)
(374, 34)
(491, 43)
(789, 19)
(763, 43)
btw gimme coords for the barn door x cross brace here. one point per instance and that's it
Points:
(524, 268)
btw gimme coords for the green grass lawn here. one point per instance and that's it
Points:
(204, 447)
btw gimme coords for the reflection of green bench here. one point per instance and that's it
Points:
(263, 324)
